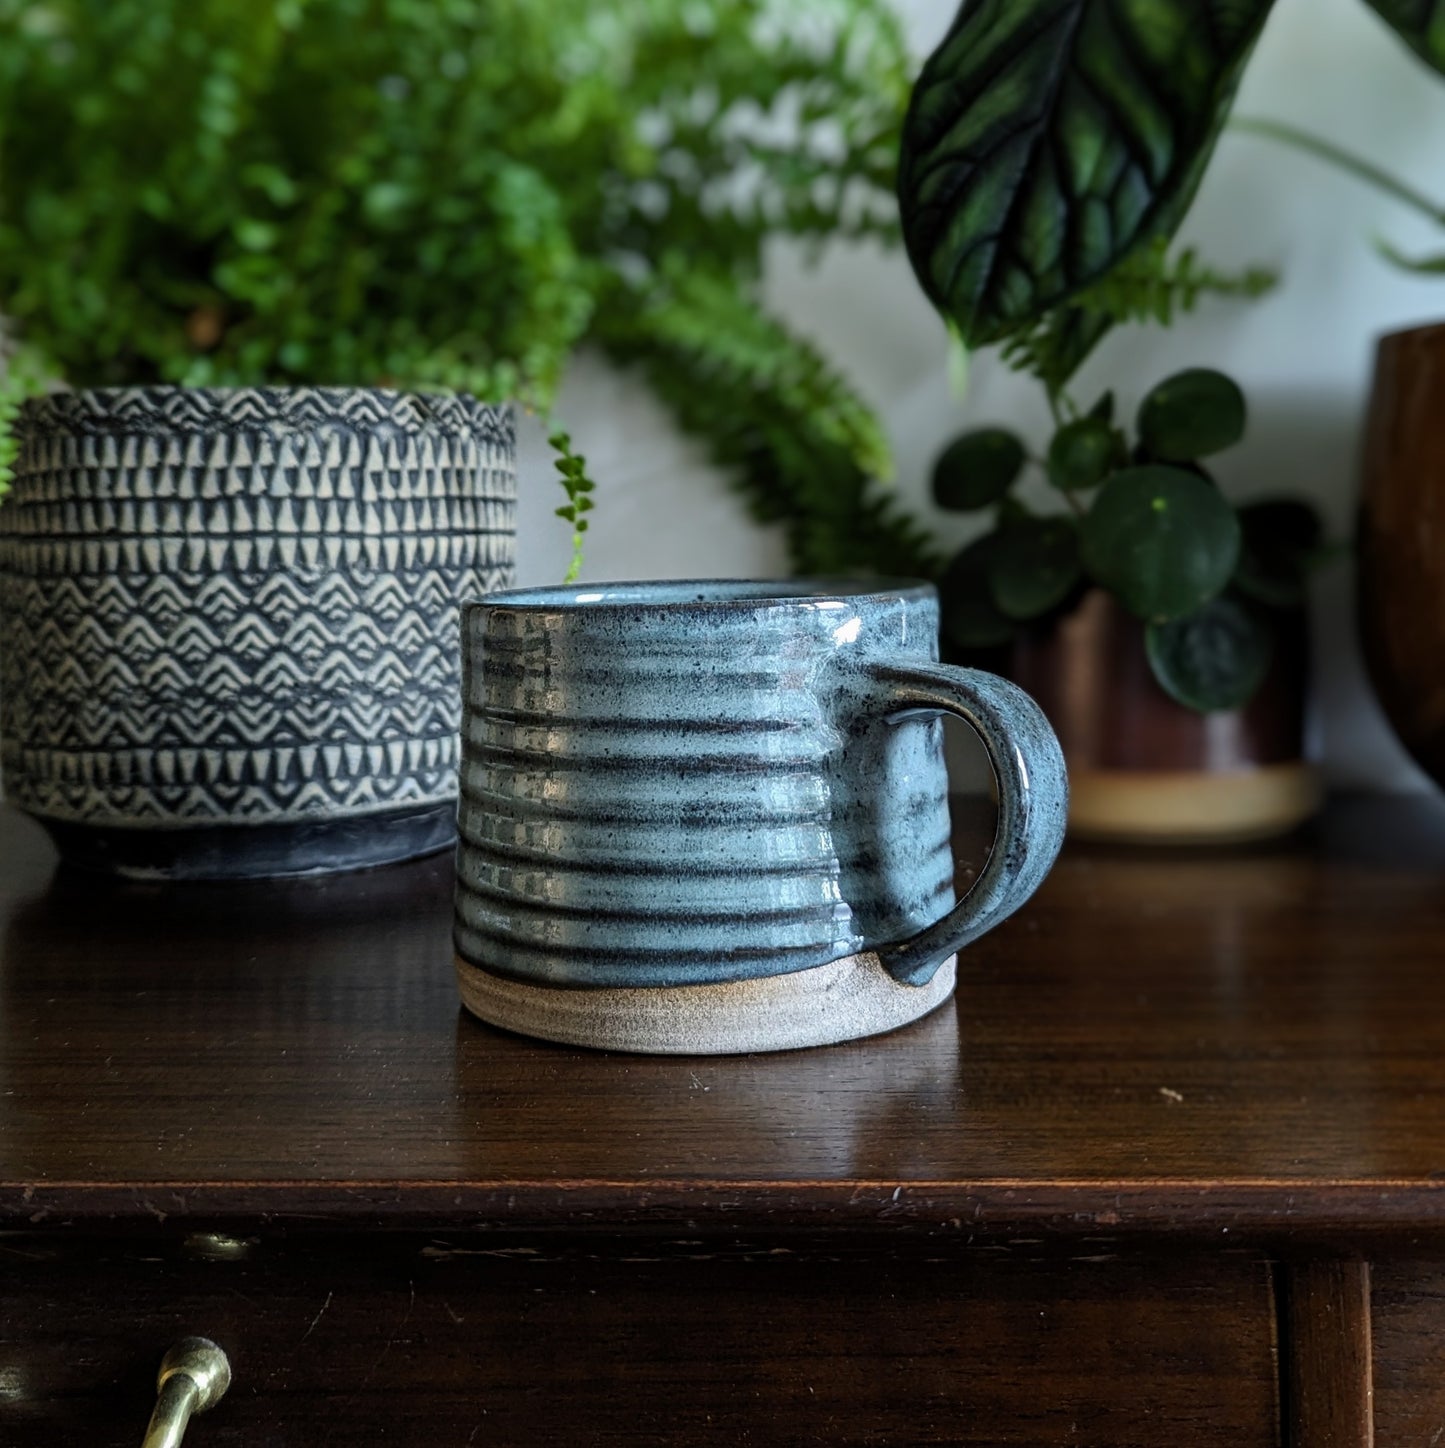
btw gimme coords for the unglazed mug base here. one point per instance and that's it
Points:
(844, 1000)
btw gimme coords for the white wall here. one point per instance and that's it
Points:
(1302, 354)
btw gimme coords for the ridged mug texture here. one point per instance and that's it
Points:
(662, 789)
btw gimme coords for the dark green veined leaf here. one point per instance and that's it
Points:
(1213, 658)
(977, 469)
(1419, 23)
(1083, 452)
(1104, 407)
(1034, 567)
(1161, 539)
(1191, 415)
(1047, 138)
(1279, 545)
(969, 616)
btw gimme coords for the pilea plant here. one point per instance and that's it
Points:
(1141, 518)
(1050, 151)
(454, 195)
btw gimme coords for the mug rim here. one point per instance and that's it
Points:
(750, 593)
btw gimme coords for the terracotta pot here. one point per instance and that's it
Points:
(1402, 540)
(1144, 768)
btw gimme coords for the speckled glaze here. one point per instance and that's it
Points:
(684, 784)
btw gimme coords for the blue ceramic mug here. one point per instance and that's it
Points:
(725, 785)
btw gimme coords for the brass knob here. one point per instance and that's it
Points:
(194, 1376)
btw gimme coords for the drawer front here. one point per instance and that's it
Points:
(448, 1345)
(1408, 1323)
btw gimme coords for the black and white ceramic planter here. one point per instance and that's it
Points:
(228, 622)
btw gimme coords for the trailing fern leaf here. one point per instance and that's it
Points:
(802, 447)
(1152, 286)
(21, 376)
(445, 196)
(1148, 286)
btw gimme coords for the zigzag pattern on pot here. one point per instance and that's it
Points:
(163, 411)
(258, 624)
(92, 663)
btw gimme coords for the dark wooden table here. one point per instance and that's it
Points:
(1170, 1170)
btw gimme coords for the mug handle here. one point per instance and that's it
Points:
(1033, 800)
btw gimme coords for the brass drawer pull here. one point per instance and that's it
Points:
(194, 1376)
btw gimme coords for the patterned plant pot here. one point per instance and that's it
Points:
(230, 641)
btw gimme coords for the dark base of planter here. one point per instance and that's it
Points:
(252, 852)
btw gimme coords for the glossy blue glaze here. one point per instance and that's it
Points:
(686, 783)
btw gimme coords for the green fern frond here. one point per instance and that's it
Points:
(1152, 286)
(1149, 286)
(1053, 348)
(804, 450)
(22, 376)
(733, 344)
(445, 196)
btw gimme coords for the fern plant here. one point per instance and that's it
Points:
(1148, 286)
(777, 416)
(19, 379)
(448, 196)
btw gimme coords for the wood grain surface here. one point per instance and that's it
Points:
(445, 1345)
(1409, 1339)
(1328, 1385)
(1244, 1047)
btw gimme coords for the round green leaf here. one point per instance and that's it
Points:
(977, 469)
(1034, 567)
(1280, 540)
(1214, 658)
(1082, 454)
(1011, 510)
(969, 616)
(1162, 539)
(1191, 415)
